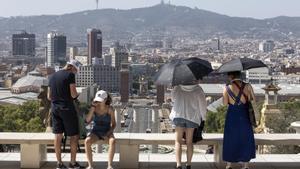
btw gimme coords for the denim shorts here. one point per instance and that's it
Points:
(181, 122)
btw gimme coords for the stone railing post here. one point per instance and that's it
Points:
(33, 155)
(218, 153)
(129, 156)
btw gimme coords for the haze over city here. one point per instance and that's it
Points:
(254, 8)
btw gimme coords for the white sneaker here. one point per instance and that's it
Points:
(89, 168)
(110, 168)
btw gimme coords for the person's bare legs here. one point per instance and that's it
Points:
(189, 144)
(178, 142)
(74, 144)
(57, 146)
(88, 148)
(111, 150)
(246, 165)
(228, 165)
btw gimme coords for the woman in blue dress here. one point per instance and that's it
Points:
(239, 143)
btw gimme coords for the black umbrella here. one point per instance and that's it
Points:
(240, 64)
(183, 72)
(199, 67)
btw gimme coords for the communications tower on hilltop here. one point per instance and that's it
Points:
(97, 4)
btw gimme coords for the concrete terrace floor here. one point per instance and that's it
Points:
(159, 161)
(10, 165)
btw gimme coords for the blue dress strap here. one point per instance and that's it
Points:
(246, 97)
(237, 99)
(230, 93)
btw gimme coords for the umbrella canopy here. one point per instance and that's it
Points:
(199, 67)
(183, 72)
(240, 64)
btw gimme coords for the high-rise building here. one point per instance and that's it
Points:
(107, 60)
(105, 76)
(266, 46)
(119, 55)
(73, 52)
(216, 44)
(85, 76)
(23, 44)
(56, 49)
(124, 82)
(94, 44)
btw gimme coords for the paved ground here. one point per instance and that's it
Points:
(158, 161)
(102, 165)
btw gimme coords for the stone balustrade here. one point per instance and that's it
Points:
(34, 151)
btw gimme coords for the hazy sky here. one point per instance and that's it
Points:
(243, 8)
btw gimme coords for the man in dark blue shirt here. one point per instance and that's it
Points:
(61, 93)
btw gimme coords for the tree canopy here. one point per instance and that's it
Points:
(21, 118)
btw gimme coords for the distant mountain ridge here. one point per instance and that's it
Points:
(159, 18)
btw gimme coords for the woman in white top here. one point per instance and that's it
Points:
(188, 111)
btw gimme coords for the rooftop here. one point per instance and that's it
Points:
(286, 89)
(13, 100)
(30, 80)
(7, 97)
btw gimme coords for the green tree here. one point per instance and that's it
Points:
(35, 125)
(23, 118)
(215, 121)
(290, 112)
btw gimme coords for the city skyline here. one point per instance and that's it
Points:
(255, 8)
